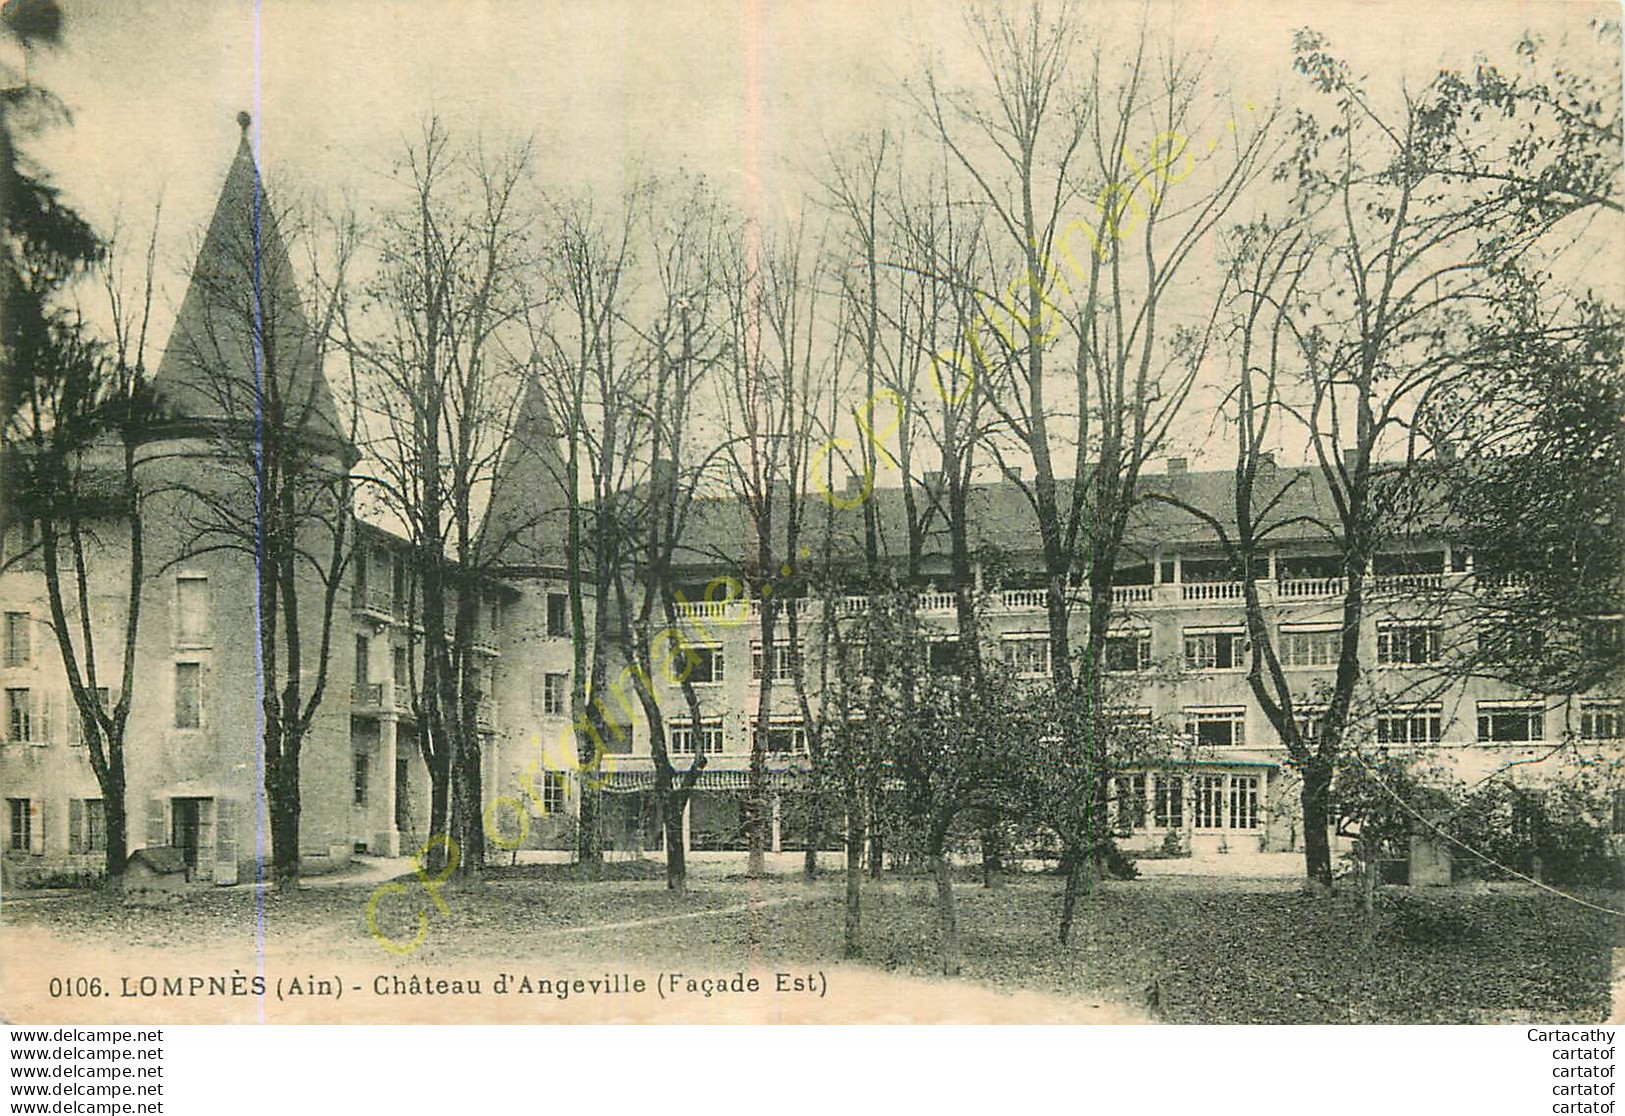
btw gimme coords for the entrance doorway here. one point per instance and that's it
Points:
(186, 822)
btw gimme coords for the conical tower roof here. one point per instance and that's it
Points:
(527, 519)
(242, 348)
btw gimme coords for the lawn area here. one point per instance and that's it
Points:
(1215, 951)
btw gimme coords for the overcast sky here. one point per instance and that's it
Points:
(749, 94)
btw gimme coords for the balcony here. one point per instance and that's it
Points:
(1408, 583)
(934, 602)
(1212, 591)
(367, 695)
(1300, 588)
(1133, 594)
(1025, 600)
(374, 600)
(403, 696)
(734, 609)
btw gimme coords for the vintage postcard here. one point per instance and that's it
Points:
(815, 512)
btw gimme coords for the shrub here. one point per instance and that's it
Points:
(1411, 918)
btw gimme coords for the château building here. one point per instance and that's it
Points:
(1176, 652)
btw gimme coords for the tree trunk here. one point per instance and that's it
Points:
(851, 937)
(470, 823)
(947, 921)
(589, 847)
(117, 826)
(992, 856)
(1075, 863)
(671, 820)
(439, 819)
(815, 830)
(284, 808)
(1317, 848)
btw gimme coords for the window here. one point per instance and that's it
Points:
(1128, 651)
(1408, 644)
(707, 663)
(784, 660)
(19, 715)
(87, 826)
(1311, 722)
(75, 722)
(1244, 802)
(363, 668)
(493, 613)
(20, 834)
(1602, 637)
(1131, 803)
(1168, 807)
(1602, 720)
(1216, 728)
(1027, 654)
(398, 583)
(1510, 722)
(19, 643)
(558, 614)
(188, 695)
(1207, 801)
(1420, 725)
(1619, 811)
(401, 668)
(191, 611)
(1215, 649)
(683, 742)
(556, 694)
(785, 736)
(551, 785)
(1310, 647)
(942, 657)
(361, 763)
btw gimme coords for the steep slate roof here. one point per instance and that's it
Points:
(243, 320)
(526, 522)
(1002, 518)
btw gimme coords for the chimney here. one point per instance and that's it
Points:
(1013, 472)
(854, 484)
(1266, 462)
(1176, 466)
(933, 482)
(1351, 457)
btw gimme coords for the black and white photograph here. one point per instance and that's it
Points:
(982, 513)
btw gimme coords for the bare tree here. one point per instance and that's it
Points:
(1035, 144)
(1366, 319)
(443, 394)
(587, 373)
(74, 439)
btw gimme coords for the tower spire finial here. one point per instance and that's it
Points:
(243, 121)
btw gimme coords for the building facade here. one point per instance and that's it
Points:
(1177, 654)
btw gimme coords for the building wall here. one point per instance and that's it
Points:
(527, 739)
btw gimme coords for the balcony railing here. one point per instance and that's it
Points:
(403, 696)
(367, 695)
(1020, 599)
(376, 599)
(1298, 587)
(728, 610)
(1407, 583)
(935, 602)
(1133, 594)
(1212, 591)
